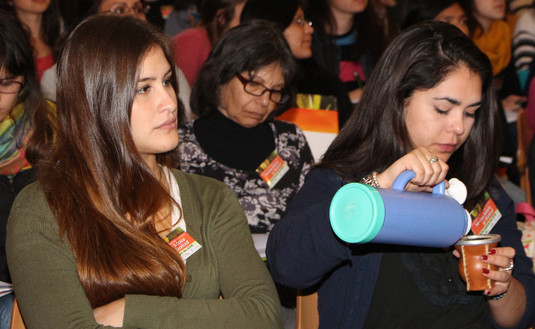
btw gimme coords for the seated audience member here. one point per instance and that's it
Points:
(429, 107)
(387, 12)
(133, 8)
(21, 105)
(243, 84)
(183, 16)
(448, 11)
(97, 239)
(41, 19)
(192, 46)
(348, 40)
(524, 43)
(311, 78)
(493, 36)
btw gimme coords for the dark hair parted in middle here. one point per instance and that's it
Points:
(246, 48)
(420, 58)
(103, 194)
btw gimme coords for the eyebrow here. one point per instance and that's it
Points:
(455, 102)
(263, 82)
(152, 78)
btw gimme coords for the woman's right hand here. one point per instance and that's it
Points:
(428, 173)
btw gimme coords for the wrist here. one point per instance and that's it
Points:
(498, 297)
(371, 179)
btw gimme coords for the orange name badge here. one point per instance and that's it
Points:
(272, 169)
(484, 216)
(182, 242)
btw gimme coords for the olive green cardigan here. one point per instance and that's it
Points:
(50, 294)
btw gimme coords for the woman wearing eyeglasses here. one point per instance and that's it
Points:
(21, 104)
(311, 78)
(243, 84)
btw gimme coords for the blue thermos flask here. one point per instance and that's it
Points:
(360, 213)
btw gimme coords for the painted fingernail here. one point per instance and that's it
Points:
(486, 271)
(484, 257)
(492, 251)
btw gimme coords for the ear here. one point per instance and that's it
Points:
(220, 17)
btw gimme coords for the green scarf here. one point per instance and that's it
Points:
(15, 132)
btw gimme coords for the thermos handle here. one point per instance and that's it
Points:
(401, 181)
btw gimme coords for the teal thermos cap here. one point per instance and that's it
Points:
(357, 213)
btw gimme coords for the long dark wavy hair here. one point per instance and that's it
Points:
(370, 37)
(50, 24)
(103, 195)
(376, 136)
(17, 60)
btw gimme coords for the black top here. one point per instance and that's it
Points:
(232, 144)
(431, 286)
(314, 79)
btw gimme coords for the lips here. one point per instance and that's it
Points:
(168, 124)
(448, 148)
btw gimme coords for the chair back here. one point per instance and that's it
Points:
(522, 154)
(307, 311)
(16, 317)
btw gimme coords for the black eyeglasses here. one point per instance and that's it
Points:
(10, 86)
(257, 89)
(123, 9)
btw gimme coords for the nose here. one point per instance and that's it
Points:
(263, 99)
(457, 123)
(168, 100)
(309, 29)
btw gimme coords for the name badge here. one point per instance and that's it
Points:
(272, 169)
(485, 215)
(182, 242)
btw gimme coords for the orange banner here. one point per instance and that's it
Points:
(312, 120)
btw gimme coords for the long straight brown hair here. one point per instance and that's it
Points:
(102, 193)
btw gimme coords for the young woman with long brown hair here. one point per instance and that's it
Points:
(95, 240)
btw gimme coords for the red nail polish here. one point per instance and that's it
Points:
(492, 251)
(486, 271)
(484, 257)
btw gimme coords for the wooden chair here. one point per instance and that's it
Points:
(307, 311)
(522, 154)
(16, 317)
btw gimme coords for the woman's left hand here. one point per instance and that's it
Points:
(111, 314)
(503, 259)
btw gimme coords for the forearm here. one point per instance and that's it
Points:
(508, 310)
(168, 312)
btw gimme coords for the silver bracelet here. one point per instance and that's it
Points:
(498, 297)
(371, 180)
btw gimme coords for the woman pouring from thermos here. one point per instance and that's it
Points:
(428, 107)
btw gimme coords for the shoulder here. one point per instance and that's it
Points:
(499, 195)
(193, 35)
(286, 127)
(30, 211)
(186, 129)
(31, 197)
(199, 185)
